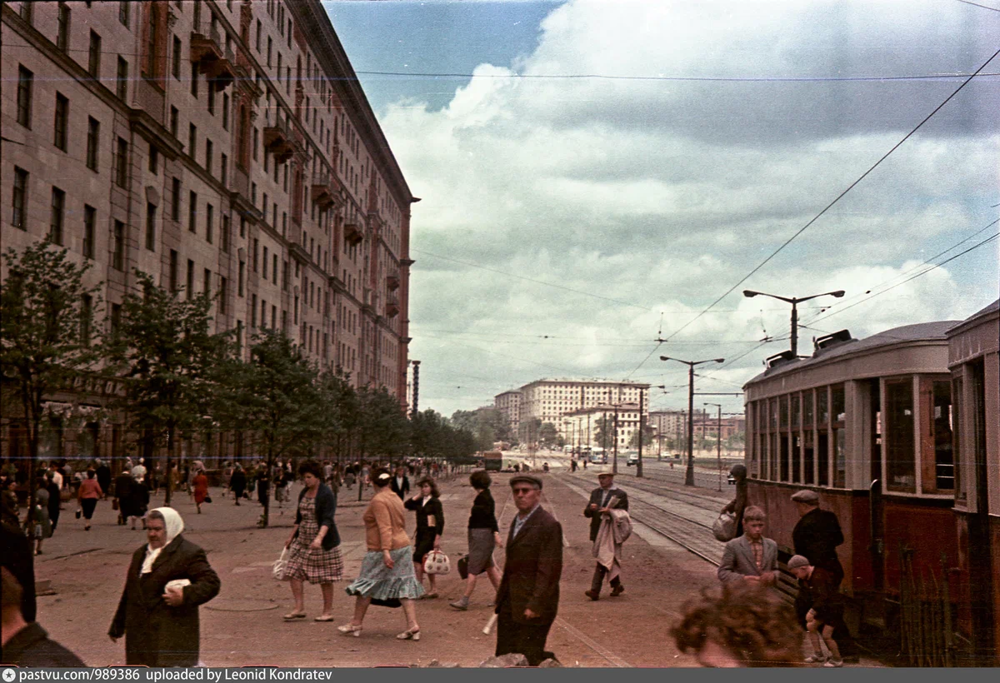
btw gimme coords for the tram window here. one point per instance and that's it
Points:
(807, 402)
(783, 442)
(823, 461)
(773, 470)
(944, 462)
(839, 458)
(961, 497)
(783, 409)
(838, 403)
(796, 411)
(810, 454)
(796, 458)
(899, 441)
(822, 401)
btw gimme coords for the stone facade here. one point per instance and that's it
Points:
(219, 146)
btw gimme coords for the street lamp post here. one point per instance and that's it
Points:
(794, 301)
(718, 441)
(689, 474)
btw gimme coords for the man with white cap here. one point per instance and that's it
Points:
(602, 500)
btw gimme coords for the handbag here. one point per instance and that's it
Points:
(279, 566)
(436, 562)
(79, 511)
(114, 503)
(208, 498)
(724, 527)
(463, 567)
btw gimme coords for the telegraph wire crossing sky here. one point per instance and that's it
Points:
(598, 175)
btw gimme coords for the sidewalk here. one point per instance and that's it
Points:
(243, 625)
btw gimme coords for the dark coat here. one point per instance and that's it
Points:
(739, 504)
(19, 561)
(597, 498)
(155, 633)
(400, 491)
(816, 537)
(532, 569)
(326, 508)
(31, 647)
(434, 508)
(238, 482)
(103, 475)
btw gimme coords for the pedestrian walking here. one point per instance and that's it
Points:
(263, 480)
(282, 478)
(528, 598)
(401, 483)
(738, 504)
(103, 473)
(238, 483)
(739, 626)
(430, 528)
(55, 500)
(824, 606)
(750, 558)
(387, 575)
(25, 642)
(57, 476)
(167, 580)
(603, 499)
(484, 536)
(87, 495)
(139, 471)
(199, 486)
(314, 544)
(39, 526)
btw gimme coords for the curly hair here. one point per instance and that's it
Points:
(756, 627)
(435, 492)
(480, 480)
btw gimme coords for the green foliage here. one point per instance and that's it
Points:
(548, 435)
(647, 437)
(170, 358)
(604, 432)
(487, 425)
(46, 336)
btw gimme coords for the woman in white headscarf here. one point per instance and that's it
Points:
(168, 579)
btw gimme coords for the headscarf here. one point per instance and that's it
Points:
(174, 526)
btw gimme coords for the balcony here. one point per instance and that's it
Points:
(352, 232)
(393, 281)
(278, 140)
(322, 193)
(208, 52)
(392, 306)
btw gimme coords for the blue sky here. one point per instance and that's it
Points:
(566, 222)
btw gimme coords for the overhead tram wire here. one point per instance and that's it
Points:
(675, 79)
(839, 196)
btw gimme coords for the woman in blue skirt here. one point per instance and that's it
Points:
(387, 575)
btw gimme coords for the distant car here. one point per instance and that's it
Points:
(633, 458)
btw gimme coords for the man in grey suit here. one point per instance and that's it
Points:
(750, 558)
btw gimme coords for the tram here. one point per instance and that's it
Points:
(872, 426)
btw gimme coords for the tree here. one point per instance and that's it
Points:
(647, 437)
(170, 360)
(548, 434)
(276, 397)
(46, 332)
(604, 432)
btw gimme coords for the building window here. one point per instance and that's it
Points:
(176, 68)
(121, 83)
(175, 203)
(192, 139)
(61, 122)
(123, 13)
(253, 310)
(62, 37)
(25, 80)
(56, 219)
(223, 295)
(265, 263)
(211, 98)
(256, 249)
(122, 163)
(270, 46)
(26, 7)
(154, 159)
(151, 62)
(209, 221)
(173, 270)
(19, 200)
(255, 141)
(118, 256)
(192, 211)
(93, 142)
(89, 230)
(194, 80)
(150, 226)
(207, 282)
(209, 148)
(225, 111)
(224, 173)
(242, 274)
(94, 62)
(190, 280)
(225, 234)
(174, 121)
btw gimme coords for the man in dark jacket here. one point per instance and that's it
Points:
(158, 617)
(103, 474)
(528, 598)
(738, 504)
(20, 562)
(25, 643)
(602, 499)
(817, 534)
(401, 483)
(55, 499)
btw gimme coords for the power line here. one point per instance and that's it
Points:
(693, 79)
(839, 196)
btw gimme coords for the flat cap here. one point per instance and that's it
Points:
(797, 561)
(525, 479)
(806, 496)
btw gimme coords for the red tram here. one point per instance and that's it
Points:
(898, 433)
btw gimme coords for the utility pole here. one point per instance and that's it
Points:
(718, 441)
(416, 386)
(638, 464)
(689, 474)
(794, 301)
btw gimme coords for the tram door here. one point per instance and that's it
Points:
(981, 576)
(877, 547)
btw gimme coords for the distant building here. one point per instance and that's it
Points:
(509, 403)
(580, 427)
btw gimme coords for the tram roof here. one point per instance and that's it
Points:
(976, 317)
(933, 331)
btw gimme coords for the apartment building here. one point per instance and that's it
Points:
(509, 403)
(220, 146)
(580, 427)
(549, 400)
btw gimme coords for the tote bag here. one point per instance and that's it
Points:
(436, 562)
(278, 568)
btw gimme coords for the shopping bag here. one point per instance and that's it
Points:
(436, 562)
(278, 569)
(463, 567)
(724, 527)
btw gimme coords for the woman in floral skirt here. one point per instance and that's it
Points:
(314, 543)
(387, 575)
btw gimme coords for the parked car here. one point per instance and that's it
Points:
(632, 458)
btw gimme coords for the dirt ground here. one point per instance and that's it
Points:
(243, 625)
